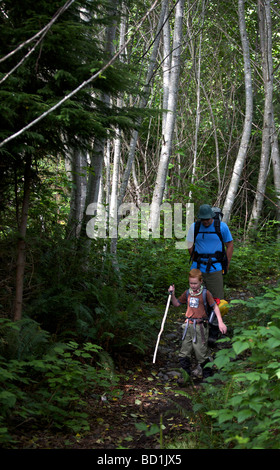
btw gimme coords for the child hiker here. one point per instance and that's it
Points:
(196, 326)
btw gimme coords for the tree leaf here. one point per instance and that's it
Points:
(240, 346)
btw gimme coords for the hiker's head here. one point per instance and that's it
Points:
(206, 214)
(195, 279)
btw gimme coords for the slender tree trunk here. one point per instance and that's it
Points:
(275, 158)
(78, 194)
(166, 71)
(117, 151)
(170, 118)
(99, 150)
(99, 146)
(216, 143)
(21, 247)
(144, 100)
(267, 66)
(166, 66)
(239, 163)
(197, 69)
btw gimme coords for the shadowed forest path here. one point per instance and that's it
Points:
(148, 399)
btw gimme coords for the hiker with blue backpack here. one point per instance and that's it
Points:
(196, 325)
(210, 245)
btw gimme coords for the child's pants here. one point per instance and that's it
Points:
(196, 340)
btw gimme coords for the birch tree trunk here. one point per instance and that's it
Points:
(117, 151)
(197, 68)
(99, 150)
(166, 66)
(275, 158)
(241, 156)
(267, 67)
(78, 161)
(170, 117)
(144, 100)
(98, 153)
(166, 74)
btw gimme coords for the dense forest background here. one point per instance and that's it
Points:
(115, 106)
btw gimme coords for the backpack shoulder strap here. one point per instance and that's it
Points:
(196, 229)
(217, 225)
(204, 295)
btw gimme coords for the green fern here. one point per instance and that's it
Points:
(22, 339)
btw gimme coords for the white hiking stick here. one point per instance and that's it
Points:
(162, 325)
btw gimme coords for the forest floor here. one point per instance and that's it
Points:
(148, 399)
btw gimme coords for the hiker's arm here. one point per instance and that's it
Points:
(222, 326)
(175, 302)
(229, 246)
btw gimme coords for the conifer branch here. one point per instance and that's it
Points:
(84, 84)
(43, 30)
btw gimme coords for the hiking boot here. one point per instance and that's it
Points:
(197, 372)
(181, 381)
(206, 371)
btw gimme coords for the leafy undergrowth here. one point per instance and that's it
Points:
(148, 412)
(145, 414)
(144, 411)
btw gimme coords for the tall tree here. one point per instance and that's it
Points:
(167, 131)
(78, 172)
(21, 246)
(264, 13)
(145, 94)
(64, 59)
(275, 158)
(113, 207)
(99, 151)
(246, 134)
(197, 68)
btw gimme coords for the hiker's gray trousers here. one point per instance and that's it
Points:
(196, 340)
(214, 282)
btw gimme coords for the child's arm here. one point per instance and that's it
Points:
(175, 302)
(222, 326)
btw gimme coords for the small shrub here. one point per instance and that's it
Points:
(51, 389)
(249, 373)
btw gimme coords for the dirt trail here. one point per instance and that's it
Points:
(148, 398)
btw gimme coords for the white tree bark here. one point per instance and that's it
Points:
(241, 156)
(267, 66)
(166, 66)
(99, 147)
(78, 160)
(143, 101)
(113, 210)
(197, 67)
(170, 117)
(275, 158)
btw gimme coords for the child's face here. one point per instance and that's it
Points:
(195, 283)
